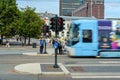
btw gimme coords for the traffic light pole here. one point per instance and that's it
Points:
(56, 65)
(44, 33)
(45, 52)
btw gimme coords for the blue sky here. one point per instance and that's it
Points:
(51, 6)
(112, 7)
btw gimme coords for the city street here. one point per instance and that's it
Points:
(60, 40)
(79, 68)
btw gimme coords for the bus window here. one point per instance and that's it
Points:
(87, 36)
(75, 34)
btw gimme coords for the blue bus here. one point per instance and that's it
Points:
(99, 38)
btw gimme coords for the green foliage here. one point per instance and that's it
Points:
(9, 13)
(30, 23)
(13, 21)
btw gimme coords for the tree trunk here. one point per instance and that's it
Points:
(29, 41)
(1, 40)
(25, 40)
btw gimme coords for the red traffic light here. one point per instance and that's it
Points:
(60, 22)
(52, 21)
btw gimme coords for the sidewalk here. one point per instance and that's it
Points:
(28, 50)
(42, 69)
(16, 47)
(50, 51)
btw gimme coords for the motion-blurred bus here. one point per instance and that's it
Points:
(99, 38)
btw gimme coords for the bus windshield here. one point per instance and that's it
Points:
(74, 34)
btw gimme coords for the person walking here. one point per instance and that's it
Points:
(7, 43)
(41, 44)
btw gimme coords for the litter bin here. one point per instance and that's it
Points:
(34, 45)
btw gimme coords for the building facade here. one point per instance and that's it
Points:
(91, 8)
(67, 6)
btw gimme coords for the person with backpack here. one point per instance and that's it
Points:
(42, 41)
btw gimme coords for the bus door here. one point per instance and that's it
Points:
(89, 44)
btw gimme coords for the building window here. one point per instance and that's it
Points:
(99, 2)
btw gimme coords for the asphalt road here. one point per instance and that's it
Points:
(80, 68)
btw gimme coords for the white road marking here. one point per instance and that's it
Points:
(109, 62)
(95, 76)
(100, 64)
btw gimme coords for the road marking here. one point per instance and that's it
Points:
(95, 76)
(100, 64)
(109, 62)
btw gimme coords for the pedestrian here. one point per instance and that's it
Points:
(60, 48)
(53, 41)
(7, 43)
(41, 44)
(47, 41)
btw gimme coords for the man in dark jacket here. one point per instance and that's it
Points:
(42, 41)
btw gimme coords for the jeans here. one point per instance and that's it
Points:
(41, 49)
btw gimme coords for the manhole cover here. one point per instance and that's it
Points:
(49, 68)
(76, 69)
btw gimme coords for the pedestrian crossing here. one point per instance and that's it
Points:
(117, 77)
(95, 75)
(89, 73)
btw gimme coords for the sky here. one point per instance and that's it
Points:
(51, 6)
(112, 7)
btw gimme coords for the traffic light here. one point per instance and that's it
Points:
(53, 23)
(60, 24)
(45, 29)
(57, 23)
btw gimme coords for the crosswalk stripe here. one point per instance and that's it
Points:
(104, 64)
(95, 76)
(109, 62)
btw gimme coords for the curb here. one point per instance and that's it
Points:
(18, 48)
(35, 68)
(28, 68)
(36, 54)
(64, 69)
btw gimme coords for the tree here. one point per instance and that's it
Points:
(25, 23)
(30, 24)
(9, 14)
